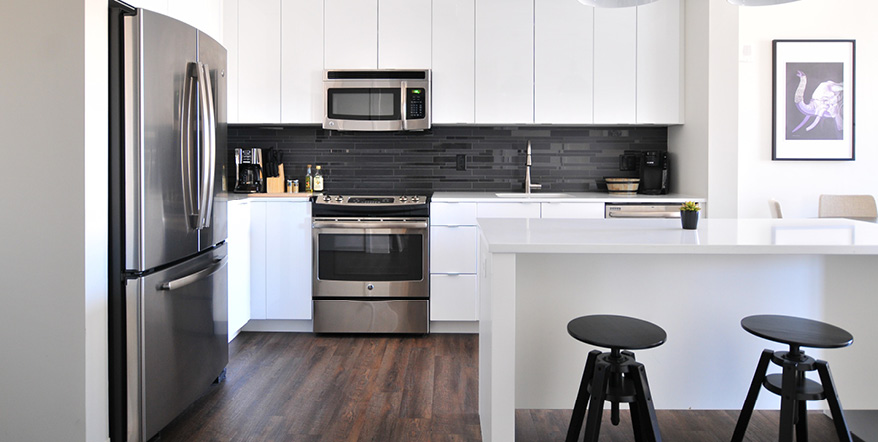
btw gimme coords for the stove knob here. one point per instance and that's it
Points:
(402, 199)
(414, 199)
(326, 198)
(339, 199)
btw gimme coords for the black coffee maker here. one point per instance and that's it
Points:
(654, 173)
(248, 170)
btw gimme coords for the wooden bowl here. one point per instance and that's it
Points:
(622, 186)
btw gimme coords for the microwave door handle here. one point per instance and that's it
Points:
(186, 153)
(403, 105)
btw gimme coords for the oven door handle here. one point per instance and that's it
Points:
(369, 224)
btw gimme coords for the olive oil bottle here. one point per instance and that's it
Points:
(309, 181)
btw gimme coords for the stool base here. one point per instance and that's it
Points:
(795, 390)
(615, 377)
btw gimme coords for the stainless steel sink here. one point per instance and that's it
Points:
(533, 195)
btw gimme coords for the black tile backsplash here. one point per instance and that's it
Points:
(569, 159)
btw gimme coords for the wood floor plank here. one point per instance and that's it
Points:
(300, 387)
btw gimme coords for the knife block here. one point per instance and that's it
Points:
(276, 184)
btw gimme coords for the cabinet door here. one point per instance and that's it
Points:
(404, 34)
(302, 62)
(288, 260)
(509, 210)
(453, 249)
(453, 214)
(257, 259)
(660, 62)
(351, 34)
(259, 61)
(239, 265)
(230, 41)
(454, 298)
(454, 37)
(563, 62)
(615, 64)
(573, 210)
(504, 61)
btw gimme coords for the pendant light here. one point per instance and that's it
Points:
(758, 2)
(614, 3)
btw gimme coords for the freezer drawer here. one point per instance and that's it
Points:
(368, 316)
(177, 326)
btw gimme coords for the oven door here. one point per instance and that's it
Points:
(370, 258)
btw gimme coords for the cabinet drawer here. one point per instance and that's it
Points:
(454, 298)
(573, 210)
(508, 210)
(453, 214)
(453, 249)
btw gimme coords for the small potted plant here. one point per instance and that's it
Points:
(689, 215)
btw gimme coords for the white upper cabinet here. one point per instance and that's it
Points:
(454, 36)
(563, 62)
(660, 63)
(404, 34)
(350, 34)
(504, 61)
(301, 61)
(230, 41)
(615, 65)
(259, 60)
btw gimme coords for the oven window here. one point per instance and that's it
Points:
(370, 257)
(363, 104)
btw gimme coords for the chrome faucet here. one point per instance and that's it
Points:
(528, 186)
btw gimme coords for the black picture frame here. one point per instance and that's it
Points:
(813, 84)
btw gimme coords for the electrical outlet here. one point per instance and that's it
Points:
(461, 161)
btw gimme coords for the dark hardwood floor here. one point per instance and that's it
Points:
(302, 387)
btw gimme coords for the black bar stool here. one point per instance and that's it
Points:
(791, 385)
(614, 376)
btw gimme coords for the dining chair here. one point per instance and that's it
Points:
(834, 206)
(774, 208)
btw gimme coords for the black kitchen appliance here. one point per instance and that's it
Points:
(370, 258)
(249, 167)
(654, 173)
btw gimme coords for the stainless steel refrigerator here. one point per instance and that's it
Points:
(168, 273)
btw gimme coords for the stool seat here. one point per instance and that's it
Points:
(617, 332)
(797, 332)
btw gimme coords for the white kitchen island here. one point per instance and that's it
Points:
(538, 274)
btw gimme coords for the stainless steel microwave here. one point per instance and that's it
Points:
(376, 100)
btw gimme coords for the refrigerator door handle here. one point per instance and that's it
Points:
(190, 189)
(207, 142)
(211, 147)
(218, 264)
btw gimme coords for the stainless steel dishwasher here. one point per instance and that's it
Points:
(642, 210)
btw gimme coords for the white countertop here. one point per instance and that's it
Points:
(835, 236)
(566, 197)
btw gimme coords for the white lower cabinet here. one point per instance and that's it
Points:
(572, 210)
(281, 260)
(454, 297)
(239, 265)
(454, 240)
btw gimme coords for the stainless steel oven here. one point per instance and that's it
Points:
(370, 265)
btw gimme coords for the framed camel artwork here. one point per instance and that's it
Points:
(813, 106)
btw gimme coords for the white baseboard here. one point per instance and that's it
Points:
(468, 327)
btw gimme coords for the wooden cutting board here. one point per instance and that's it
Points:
(276, 184)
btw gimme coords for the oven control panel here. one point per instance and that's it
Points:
(360, 200)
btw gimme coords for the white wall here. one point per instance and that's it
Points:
(53, 230)
(797, 184)
(703, 151)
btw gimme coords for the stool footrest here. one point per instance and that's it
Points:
(809, 391)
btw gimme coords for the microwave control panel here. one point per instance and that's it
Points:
(416, 103)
